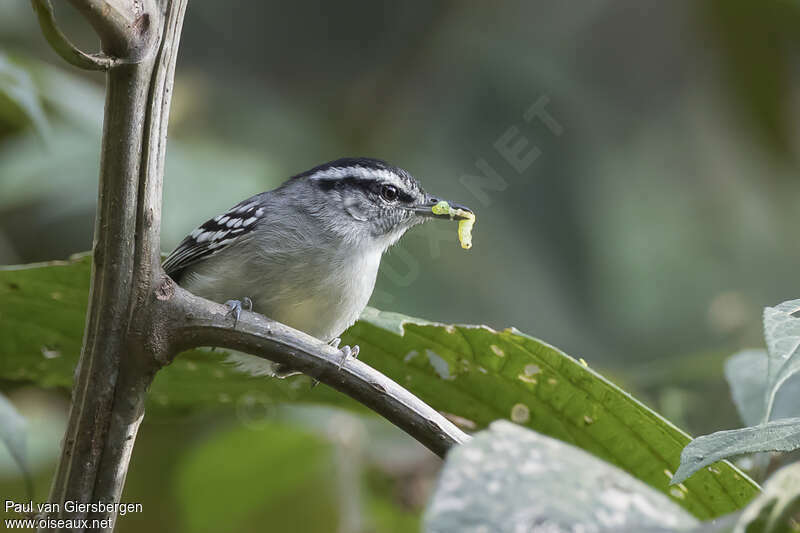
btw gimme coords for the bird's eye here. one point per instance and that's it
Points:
(389, 193)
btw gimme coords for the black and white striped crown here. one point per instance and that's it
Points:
(362, 168)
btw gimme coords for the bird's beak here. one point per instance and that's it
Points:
(426, 209)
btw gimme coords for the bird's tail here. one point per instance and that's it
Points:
(258, 367)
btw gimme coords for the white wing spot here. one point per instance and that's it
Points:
(249, 221)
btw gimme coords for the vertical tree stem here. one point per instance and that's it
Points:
(104, 343)
(145, 351)
(120, 352)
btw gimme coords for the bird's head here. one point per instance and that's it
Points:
(367, 199)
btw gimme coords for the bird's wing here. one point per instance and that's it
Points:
(215, 235)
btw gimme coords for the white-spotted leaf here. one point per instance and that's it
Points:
(509, 479)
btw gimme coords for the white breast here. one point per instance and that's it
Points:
(320, 296)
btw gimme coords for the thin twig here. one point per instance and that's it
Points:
(194, 322)
(62, 45)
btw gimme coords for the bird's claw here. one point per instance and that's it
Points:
(236, 307)
(348, 352)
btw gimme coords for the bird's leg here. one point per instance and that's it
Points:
(347, 352)
(335, 344)
(236, 307)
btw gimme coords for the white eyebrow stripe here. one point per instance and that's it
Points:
(363, 173)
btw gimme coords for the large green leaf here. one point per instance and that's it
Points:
(509, 479)
(480, 375)
(472, 373)
(42, 309)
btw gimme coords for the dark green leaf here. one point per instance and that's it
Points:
(480, 375)
(472, 373)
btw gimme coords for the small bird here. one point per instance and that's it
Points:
(307, 253)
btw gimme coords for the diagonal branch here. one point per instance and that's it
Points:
(193, 322)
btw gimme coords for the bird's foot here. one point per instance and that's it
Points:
(348, 352)
(236, 307)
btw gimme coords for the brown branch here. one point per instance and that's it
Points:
(195, 322)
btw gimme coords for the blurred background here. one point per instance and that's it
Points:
(633, 166)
